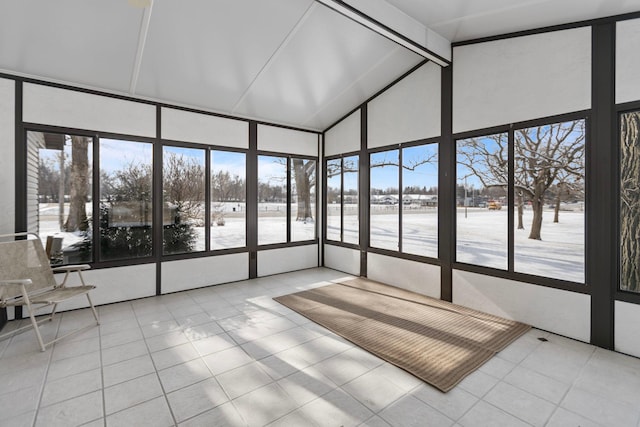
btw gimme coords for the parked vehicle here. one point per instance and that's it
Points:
(494, 205)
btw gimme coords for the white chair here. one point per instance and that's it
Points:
(26, 279)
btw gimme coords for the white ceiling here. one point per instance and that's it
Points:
(292, 62)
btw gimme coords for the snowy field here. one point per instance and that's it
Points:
(482, 234)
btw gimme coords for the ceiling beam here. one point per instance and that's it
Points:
(142, 39)
(419, 39)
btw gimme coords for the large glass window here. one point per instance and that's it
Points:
(303, 199)
(420, 200)
(350, 200)
(228, 200)
(630, 201)
(126, 210)
(334, 200)
(272, 200)
(550, 200)
(342, 200)
(59, 194)
(183, 209)
(384, 200)
(481, 199)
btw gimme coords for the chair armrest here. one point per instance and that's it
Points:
(69, 268)
(9, 282)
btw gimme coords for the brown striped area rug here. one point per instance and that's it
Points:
(436, 341)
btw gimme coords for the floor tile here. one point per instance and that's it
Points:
(127, 370)
(71, 386)
(284, 370)
(73, 412)
(224, 415)
(226, 360)
(537, 384)
(306, 385)
(485, 415)
(264, 405)
(374, 391)
(600, 409)
(454, 404)
(242, 380)
(564, 418)
(152, 413)
(411, 412)
(131, 393)
(519, 403)
(174, 356)
(184, 375)
(196, 399)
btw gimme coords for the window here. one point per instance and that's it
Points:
(550, 200)
(272, 200)
(546, 176)
(126, 210)
(228, 200)
(404, 200)
(342, 200)
(481, 200)
(59, 194)
(303, 199)
(629, 201)
(334, 200)
(420, 200)
(350, 200)
(384, 200)
(183, 208)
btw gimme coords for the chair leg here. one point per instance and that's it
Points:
(34, 323)
(53, 312)
(93, 309)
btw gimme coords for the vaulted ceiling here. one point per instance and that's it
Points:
(292, 62)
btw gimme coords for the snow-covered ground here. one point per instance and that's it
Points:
(482, 234)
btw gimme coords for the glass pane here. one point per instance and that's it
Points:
(384, 214)
(629, 201)
(350, 203)
(303, 199)
(481, 200)
(228, 200)
(183, 205)
(550, 202)
(126, 213)
(334, 201)
(59, 195)
(272, 200)
(420, 200)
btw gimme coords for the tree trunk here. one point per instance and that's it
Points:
(520, 212)
(556, 213)
(61, 193)
(536, 225)
(303, 189)
(630, 202)
(79, 182)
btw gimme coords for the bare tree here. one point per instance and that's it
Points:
(630, 201)
(304, 172)
(79, 183)
(183, 185)
(543, 155)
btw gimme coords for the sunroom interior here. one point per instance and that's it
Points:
(204, 157)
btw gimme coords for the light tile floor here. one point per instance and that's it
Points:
(230, 355)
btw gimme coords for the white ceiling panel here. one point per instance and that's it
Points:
(86, 42)
(459, 20)
(206, 53)
(388, 69)
(325, 58)
(293, 62)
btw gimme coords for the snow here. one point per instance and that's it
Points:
(482, 234)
